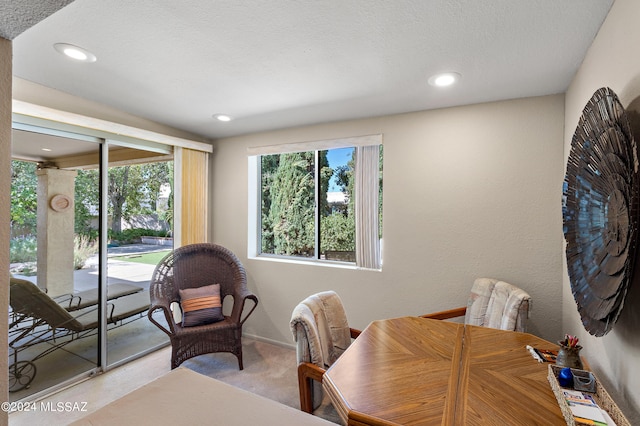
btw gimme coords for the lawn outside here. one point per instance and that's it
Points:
(150, 258)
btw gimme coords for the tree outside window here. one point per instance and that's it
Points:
(292, 185)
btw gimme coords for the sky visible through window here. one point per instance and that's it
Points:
(337, 157)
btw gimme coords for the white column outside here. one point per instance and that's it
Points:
(56, 230)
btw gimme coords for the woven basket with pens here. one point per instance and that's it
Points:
(601, 396)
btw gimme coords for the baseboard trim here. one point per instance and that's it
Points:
(270, 341)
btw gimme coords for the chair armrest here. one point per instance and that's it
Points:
(239, 300)
(306, 372)
(62, 297)
(74, 301)
(168, 315)
(451, 313)
(311, 371)
(254, 299)
(110, 309)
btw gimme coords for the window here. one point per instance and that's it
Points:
(319, 201)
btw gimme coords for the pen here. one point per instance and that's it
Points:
(588, 421)
(534, 354)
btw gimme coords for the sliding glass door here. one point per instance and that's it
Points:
(139, 204)
(54, 317)
(90, 219)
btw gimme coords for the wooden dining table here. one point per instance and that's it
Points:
(418, 371)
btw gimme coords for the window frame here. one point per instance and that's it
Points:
(254, 245)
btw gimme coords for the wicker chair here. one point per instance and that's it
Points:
(494, 304)
(320, 330)
(193, 266)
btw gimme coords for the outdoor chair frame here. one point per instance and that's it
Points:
(40, 319)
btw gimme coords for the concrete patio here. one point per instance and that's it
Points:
(123, 342)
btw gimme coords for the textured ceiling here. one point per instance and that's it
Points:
(16, 16)
(282, 63)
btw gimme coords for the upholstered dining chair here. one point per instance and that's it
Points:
(189, 287)
(321, 332)
(492, 303)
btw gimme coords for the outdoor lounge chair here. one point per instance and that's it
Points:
(44, 320)
(82, 299)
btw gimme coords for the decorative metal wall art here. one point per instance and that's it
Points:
(600, 211)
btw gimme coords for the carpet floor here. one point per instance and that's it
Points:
(269, 371)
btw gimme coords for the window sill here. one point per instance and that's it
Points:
(313, 262)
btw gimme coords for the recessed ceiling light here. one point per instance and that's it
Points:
(444, 79)
(75, 52)
(46, 149)
(222, 117)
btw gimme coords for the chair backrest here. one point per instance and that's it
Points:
(27, 299)
(320, 329)
(198, 265)
(497, 304)
(321, 332)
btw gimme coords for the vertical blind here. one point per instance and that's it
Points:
(195, 198)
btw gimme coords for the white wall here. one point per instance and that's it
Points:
(469, 192)
(5, 190)
(612, 61)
